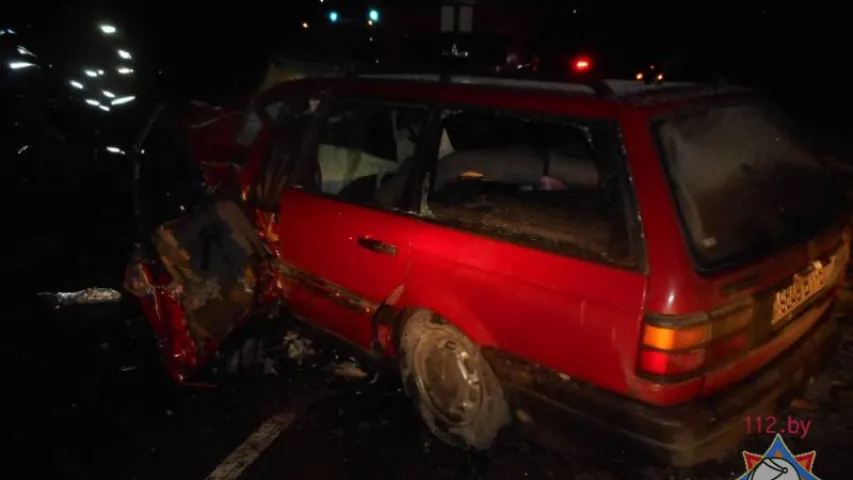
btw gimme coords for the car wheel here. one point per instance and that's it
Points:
(453, 387)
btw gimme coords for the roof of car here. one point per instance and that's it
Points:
(603, 96)
(613, 89)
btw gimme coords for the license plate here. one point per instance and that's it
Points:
(803, 287)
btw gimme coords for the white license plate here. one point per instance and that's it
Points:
(803, 287)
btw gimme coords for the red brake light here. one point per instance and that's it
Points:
(582, 64)
(666, 364)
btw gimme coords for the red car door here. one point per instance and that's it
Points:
(342, 228)
(347, 260)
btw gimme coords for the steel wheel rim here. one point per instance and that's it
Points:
(448, 382)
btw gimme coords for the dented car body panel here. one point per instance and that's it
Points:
(203, 285)
(587, 298)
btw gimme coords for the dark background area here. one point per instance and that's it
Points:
(206, 49)
(77, 394)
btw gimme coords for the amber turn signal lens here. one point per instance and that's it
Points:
(675, 339)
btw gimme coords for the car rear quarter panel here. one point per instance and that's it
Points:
(667, 256)
(675, 286)
(576, 317)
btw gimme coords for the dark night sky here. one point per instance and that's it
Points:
(794, 50)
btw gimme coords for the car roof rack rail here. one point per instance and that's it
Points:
(492, 77)
(588, 80)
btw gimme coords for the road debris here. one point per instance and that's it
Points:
(349, 370)
(298, 347)
(82, 297)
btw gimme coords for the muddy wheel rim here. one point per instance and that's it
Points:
(448, 381)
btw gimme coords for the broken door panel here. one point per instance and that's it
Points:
(205, 272)
(212, 256)
(196, 273)
(208, 286)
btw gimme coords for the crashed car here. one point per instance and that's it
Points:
(656, 262)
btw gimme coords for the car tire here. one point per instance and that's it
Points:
(453, 387)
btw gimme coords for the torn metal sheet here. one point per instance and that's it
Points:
(82, 297)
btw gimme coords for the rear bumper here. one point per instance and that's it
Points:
(548, 407)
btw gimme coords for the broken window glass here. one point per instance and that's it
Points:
(531, 181)
(366, 150)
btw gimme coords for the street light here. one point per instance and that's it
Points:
(20, 65)
(123, 100)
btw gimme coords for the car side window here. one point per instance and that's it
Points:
(365, 152)
(291, 121)
(537, 182)
(252, 124)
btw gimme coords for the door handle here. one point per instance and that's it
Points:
(377, 246)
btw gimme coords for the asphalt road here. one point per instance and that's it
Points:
(85, 399)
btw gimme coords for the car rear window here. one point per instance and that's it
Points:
(744, 181)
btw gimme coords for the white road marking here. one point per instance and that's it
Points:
(241, 458)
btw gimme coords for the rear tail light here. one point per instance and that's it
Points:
(678, 346)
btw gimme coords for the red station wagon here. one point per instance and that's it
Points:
(656, 262)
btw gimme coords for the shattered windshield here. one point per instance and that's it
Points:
(744, 181)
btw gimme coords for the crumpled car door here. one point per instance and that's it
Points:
(199, 283)
(195, 271)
